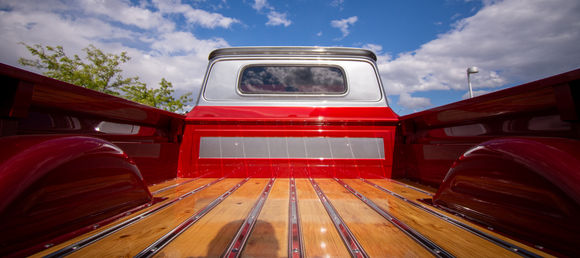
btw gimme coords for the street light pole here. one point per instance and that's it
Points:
(471, 70)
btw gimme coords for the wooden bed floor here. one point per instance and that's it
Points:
(215, 229)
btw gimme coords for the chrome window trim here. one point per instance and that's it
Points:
(244, 67)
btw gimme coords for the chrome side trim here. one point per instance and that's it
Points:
(154, 248)
(94, 238)
(295, 243)
(516, 249)
(422, 240)
(239, 241)
(353, 246)
(174, 186)
(409, 186)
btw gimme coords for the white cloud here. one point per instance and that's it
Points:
(157, 49)
(337, 3)
(343, 25)
(319, 34)
(507, 40)
(121, 11)
(373, 47)
(195, 16)
(409, 102)
(259, 4)
(276, 18)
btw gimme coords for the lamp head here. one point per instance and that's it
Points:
(472, 70)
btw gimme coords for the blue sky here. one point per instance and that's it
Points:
(424, 47)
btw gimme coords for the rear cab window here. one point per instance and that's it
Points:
(292, 79)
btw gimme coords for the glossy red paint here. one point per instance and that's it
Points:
(52, 185)
(286, 122)
(432, 140)
(65, 96)
(526, 187)
(96, 226)
(41, 105)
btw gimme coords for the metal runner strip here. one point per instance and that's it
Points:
(154, 248)
(94, 238)
(470, 229)
(295, 245)
(353, 246)
(238, 242)
(409, 186)
(174, 186)
(422, 240)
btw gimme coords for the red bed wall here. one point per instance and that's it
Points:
(286, 122)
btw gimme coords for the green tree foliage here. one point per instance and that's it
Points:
(159, 98)
(101, 72)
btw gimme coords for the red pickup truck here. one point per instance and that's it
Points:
(289, 152)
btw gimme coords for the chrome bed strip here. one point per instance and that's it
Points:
(165, 240)
(422, 240)
(295, 245)
(516, 249)
(94, 238)
(352, 244)
(239, 241)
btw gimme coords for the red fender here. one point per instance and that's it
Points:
(52, 185)
(526, 187)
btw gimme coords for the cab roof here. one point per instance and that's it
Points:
(314, 51)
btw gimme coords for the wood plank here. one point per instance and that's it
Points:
(155, 187)
(185, 188)
(417, 185)
(403, 191)
(319, 234)
(457, 241)
(170, 194)
(269, 238)
(378, 237)
(210, 236)
(131, 240)
(414, 195)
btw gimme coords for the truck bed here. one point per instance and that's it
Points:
(214, 231)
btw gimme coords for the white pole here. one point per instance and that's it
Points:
(471, 70)
(470, 89)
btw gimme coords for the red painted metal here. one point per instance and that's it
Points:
(286, 122)
(52, 185)
(41, 105)
(526, 187)
(432, 140)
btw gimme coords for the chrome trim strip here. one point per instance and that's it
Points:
(276, 50)
(422, 240)
(295, 243)
(409, 186)
(154, 248)
(516, 249)
(239, 241)
(353, 246)
(94, 238)
(174, 186)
